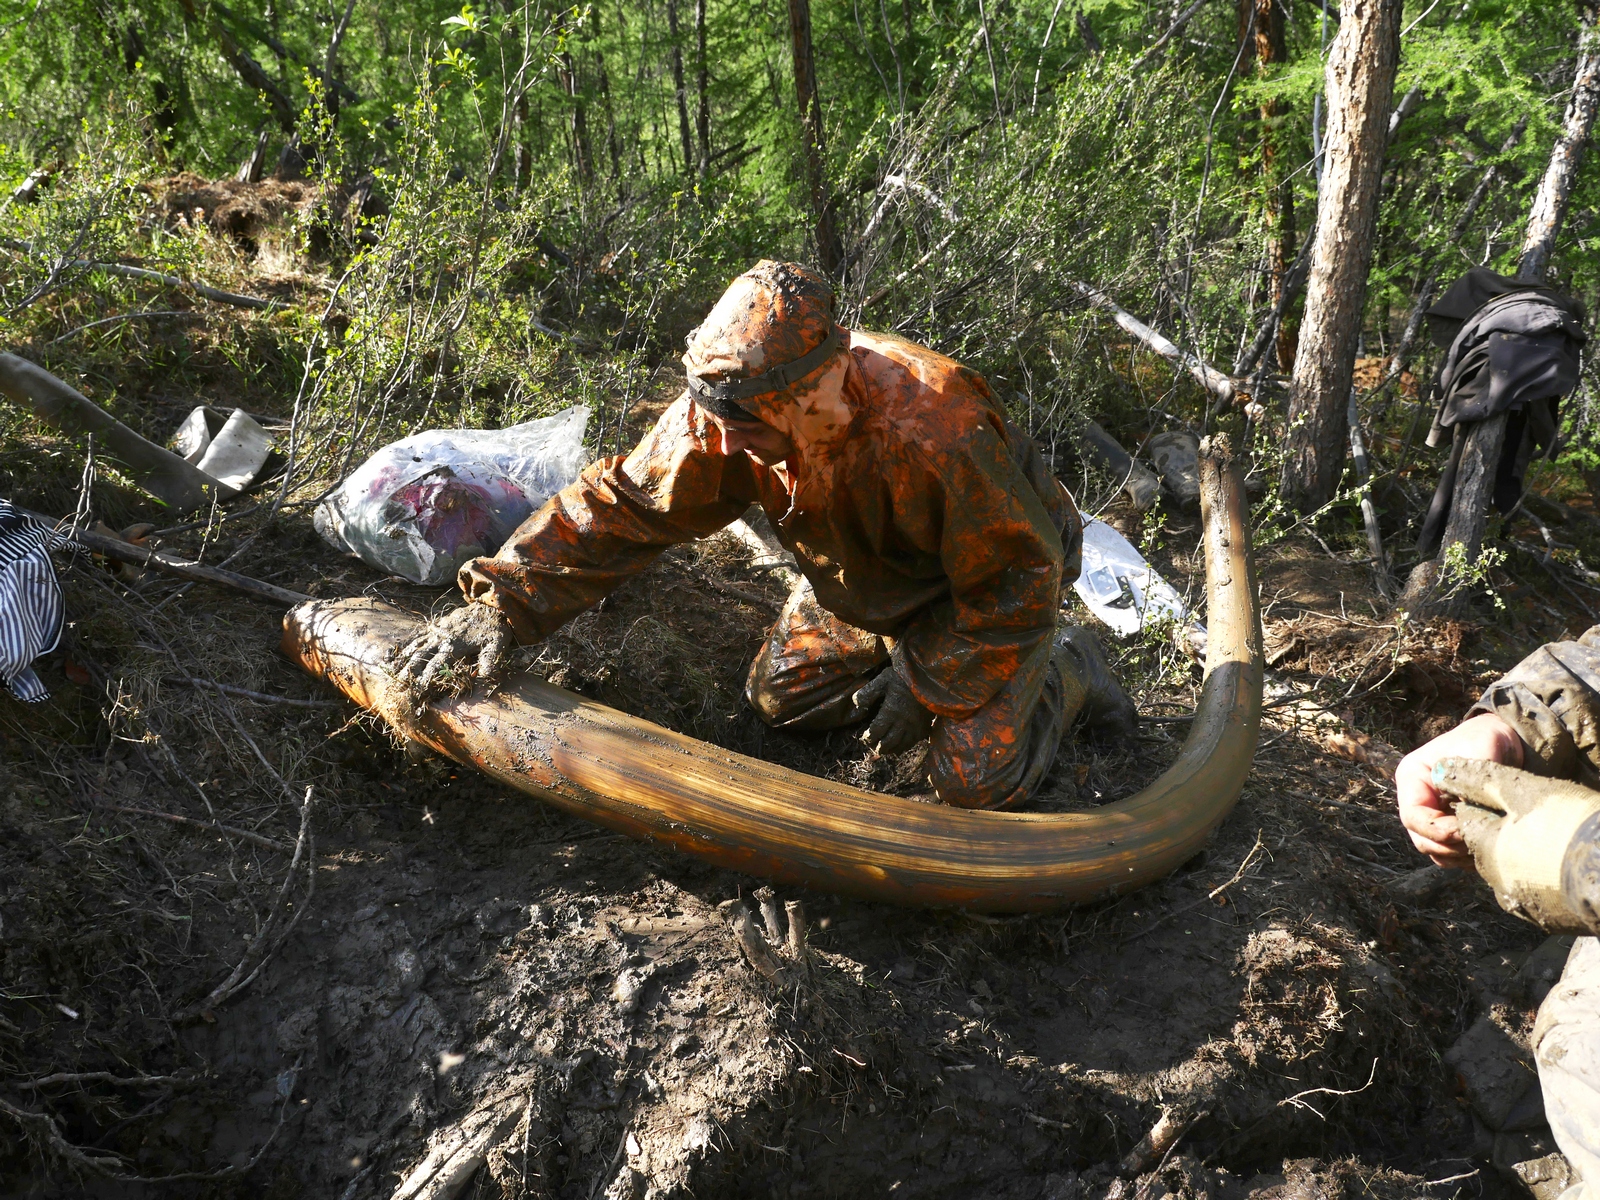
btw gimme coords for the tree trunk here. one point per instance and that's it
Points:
(1480, 458)
(1263, 20)
(682, 92)
(249, 70)
(583, 161)
(1550, 205)
(604, 82)
(1474, 484)
(1360, 84)
(702, 115)
(805, 90)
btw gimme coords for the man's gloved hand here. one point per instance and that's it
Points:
(472, 632)
(901, 721)
(1535, 840)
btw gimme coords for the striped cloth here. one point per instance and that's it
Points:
(31, 610)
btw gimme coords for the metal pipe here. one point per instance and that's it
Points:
(752, 816)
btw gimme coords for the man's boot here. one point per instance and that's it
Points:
(1107, 709)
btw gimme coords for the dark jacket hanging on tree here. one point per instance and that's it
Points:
(1511, 347)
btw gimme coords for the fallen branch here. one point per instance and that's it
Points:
(103, 1077)
(120, 551)
(1298, 1099)
(199, 289)
(256, 839)
(450, 1165)
(160, 472)
(1173, 1123)
(1213, 380)
(228, 689)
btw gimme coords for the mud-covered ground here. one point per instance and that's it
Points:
(463, 981)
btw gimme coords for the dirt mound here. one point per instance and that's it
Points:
(241, 211)
(484, 988)
(256, 215)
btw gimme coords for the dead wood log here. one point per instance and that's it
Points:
(450, 1165)
(160, 472)
(1207, 376)
(795, 910)
(143, 556)
(636, 777)
(1468, 511)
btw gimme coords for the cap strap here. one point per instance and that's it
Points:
(775, 380)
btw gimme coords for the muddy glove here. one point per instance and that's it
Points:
(472, 632)
(901, 721)
(1536, 841)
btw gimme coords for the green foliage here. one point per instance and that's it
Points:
(540, 229)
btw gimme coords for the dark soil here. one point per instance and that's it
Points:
(471, 963)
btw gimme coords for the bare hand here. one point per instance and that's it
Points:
(474, 632)
(901, 721)
(1428, 816)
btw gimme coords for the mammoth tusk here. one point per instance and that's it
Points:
(641, 779)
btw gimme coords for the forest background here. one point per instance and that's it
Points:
(517, 208)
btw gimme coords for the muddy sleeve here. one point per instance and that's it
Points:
(1002, 552)
(1552, 699)
(612, 522)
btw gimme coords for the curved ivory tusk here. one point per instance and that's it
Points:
(739, 812)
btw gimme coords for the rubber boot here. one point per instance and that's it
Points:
(1107, 710)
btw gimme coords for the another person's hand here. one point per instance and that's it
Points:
(1428, 816)
(901, 721)
(475, 632)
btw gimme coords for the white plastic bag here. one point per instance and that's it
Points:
(421, 507)
(233, 450)
(1120, 587)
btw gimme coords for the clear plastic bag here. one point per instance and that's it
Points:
(1120, 587)
(421, 507)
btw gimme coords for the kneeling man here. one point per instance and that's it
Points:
(932, 542)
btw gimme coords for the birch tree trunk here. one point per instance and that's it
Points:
(1480, 457)
(1360, 84)
(805, 90)
(1550, 204)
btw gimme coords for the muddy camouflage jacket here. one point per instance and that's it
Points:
(914, 507)
(1552, 699)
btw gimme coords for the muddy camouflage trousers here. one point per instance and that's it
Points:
(1566, 1045)
(812, 664)
(1552, 699)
